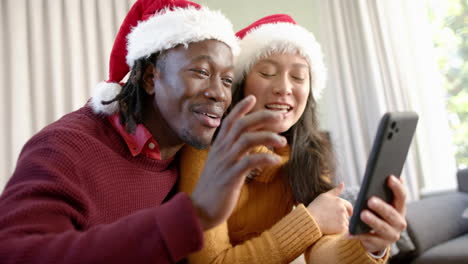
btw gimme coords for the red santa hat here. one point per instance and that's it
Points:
(280, 34)
(152, 26)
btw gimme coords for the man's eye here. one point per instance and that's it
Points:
(201, 72)
(297, 78)
(228, 81)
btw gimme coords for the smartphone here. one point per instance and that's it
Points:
(387, 157)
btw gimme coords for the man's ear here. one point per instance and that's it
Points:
(149, 76)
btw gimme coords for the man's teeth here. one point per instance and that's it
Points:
(210, 115)
(278, 107)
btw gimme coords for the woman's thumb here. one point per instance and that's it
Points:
(337, 190)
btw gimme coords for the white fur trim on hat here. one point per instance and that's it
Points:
(282, 37)
(169, 28)
(105, 92)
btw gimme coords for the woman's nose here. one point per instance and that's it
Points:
(283, 86)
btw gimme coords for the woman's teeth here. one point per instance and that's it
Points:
(278, 107)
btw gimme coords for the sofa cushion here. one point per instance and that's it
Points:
(435, 220)
(462, 177)
(454, 251)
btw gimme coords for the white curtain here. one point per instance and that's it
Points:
(379, 55)
(52, 53)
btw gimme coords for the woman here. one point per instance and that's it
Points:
(281, 65)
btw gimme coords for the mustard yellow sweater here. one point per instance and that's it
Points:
(263, 228)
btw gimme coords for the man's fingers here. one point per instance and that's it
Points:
(239, 110)
(249, 123)
(251, 139)
(255, 121)
(399, 194)
(250, 162)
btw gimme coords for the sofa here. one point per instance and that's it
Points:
(437, 228)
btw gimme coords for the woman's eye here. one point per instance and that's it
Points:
(265, 74)
(298, 78)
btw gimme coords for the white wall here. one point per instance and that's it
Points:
(244, 12)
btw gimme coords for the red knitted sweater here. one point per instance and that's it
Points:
(78, 196)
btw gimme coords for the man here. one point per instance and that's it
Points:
(97, 186)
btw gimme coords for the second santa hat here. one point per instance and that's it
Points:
(280, 33)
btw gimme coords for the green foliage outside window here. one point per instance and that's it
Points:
(450, 21)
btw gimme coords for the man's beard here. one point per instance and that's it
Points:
(193, 141)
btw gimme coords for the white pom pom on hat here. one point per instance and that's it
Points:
(105, 91)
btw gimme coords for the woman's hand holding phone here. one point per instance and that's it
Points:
(386, 229)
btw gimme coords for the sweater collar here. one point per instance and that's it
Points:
(266, 175)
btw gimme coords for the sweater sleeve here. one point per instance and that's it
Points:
(338, 249)
(45, 234)
(45, 218)
(282, 243)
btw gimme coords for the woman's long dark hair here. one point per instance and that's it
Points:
(311, 166)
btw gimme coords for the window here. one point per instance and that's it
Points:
(449, 19)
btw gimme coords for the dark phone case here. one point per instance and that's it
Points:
(388, 155)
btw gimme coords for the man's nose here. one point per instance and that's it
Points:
(216, 90)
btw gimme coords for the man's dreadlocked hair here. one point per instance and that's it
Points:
(132, 97)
